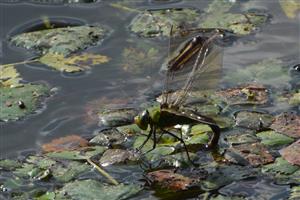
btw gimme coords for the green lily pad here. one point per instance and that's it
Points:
(72, 63)
(288, 124)
(67, 172)
(241, 137)
(109, 137)
(272, 138)
(280, 166)
(253, 120)
(116, 156)
(131, 129)
(252, 94)
(153, 23)
(92, 189)
(62, 41)
(268, 72)
(139, 141)
(295, 193)
(217, 16)
(82, 154)
(158, 153)
(295, 99)
(7, 164)
(27, 171)
(47, 196)
(21, 101)
(292, 153)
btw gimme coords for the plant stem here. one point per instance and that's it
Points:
(19, 63)
(104, 173)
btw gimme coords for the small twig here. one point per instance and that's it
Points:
(123, 7)
(104, 173)
(19, 63)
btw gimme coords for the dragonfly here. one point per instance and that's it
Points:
(195, 55)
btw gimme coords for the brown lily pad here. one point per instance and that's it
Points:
(292, 153)
(248, 94)
(68, 143)
(170, 180)
(288, 124)
(114, 156)
(256, 153)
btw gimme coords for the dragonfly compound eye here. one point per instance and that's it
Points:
(142, 120)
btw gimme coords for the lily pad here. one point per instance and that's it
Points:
(159, 153)
(295, 193)
(170, 180)
(269, 72)
(129, 130)
(9, 77)
(253, 120)
(241, 137)
(116, 156)
(290, 7)
(72, 63)
(62, 41)
(21, 101)
(71, 142)
(255, 153)
(252, 94)
(117, 117)
(92, 189)
(109, 137)
(280, 166)
(288, 124)
(154, 23)
(140, 140)
(295, 99)
(292, 153)
(217, 16)
(271, 138)
(7, 164)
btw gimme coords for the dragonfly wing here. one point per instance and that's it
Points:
(198, 68)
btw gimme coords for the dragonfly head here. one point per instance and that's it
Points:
(142, 120)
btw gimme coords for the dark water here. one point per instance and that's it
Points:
(65, 113)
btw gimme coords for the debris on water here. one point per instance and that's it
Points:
(292, 153)
(253, 120)
(62, 41)
(288, 124)
(21, 104)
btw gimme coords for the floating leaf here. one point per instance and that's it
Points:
(271, 138)
(292, 153)
(241, 137)
(29, 95)
(288, 124)
(290, 7)
(117, 117)
(295, 99)
(159, 153)
(280, 166)
(72, 63)
(295, 193)
(253, 120)
(256, 154)
(71, 142)
(92, 189)
(116, 156)
(7, 164)
(9, 77)
(140, 140)
(62, 41)
(158, 22)
(108, 137)
(248, 94)
(170, 180)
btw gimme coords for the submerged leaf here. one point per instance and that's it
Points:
(72, 63)
(92, 189)
(280, 166)
(290, 7)
(9, 77)
(71, 142)
(253, 120)
(295, 193)
(116, 156)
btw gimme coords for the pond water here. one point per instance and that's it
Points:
(69, 110)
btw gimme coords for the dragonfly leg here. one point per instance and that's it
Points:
(182, 141)
(148, 137)
(153, 132)
(215, 138)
